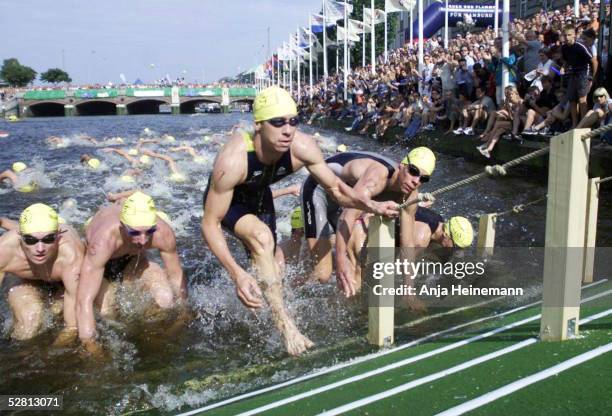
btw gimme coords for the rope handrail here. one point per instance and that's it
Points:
(521, 207)
(489, 170)
(597, 132)
(609, 178)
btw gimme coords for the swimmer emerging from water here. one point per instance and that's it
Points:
(39, 254)
(17, 176)
(118, 238)
(89, 161)
(429, 227)
(238, 197)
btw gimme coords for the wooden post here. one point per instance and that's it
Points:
(591, 230)
(381, 248)
(486, 234)
(565, 231)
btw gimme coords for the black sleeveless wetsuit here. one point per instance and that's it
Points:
(254, 195)
(320, 212)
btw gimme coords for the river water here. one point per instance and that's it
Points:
(223, 350)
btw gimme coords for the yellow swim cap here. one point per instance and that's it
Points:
(19, 166)
(127, 178)
(177, 177)
(460, 230)
(206, 139)
(199, 159)
(133, 152)
(29, 187)
(422, 158)
(145, 160)
(296, 218)
(169, 138)
(273, 102)
(38, 218)
(119, 140)
(138, 211)
(164, 216)
(93, 163)
(341, 148)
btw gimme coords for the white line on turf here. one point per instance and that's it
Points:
(429, 378)
(369, 356)
(407, 386)
(524, 382)
(385, 368)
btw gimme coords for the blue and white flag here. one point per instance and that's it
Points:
(334, 10)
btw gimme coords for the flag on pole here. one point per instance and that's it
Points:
(317, 23)
(392, 6)
(379, 15)
(351, 36)
(306, 37)
(356, 27)
(334, 10)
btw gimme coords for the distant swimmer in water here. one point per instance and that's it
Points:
(197, 158)
(90, 162)
(294, 248)
(56, 141)
(20, 177)
(239, 198)
(40, 256)
(175, 174)
(118, 239)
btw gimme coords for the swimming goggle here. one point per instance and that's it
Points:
(135, 233)
(30, 240)
(280, 122)
(414, 171)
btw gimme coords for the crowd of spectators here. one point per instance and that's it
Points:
(551, 64)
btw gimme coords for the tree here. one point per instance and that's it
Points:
(55, 75)
(15, 74)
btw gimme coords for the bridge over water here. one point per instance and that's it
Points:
(123, 101)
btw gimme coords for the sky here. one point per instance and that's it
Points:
(96, 41)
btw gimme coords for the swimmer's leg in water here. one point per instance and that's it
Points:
(26, 303)
(152, 278)
(258, 238)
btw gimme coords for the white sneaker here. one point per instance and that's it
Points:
(484, 152)
(468, 131)
(459, 131)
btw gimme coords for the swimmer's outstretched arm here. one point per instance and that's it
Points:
(170, 257)
(289, 190)
(309, 153)
(91, 274)
(120, 195)
(90, 139)
(187, 149)
(224, 179)
(8, 174)
(171, 163)
(120, 152)
(145, 141)
(9, 224)
(70, 279)
(371, 183)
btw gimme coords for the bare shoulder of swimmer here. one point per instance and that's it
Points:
(9, 244)
(305, 148)
(101, 234)
(70, 243)
(231, 162)
(164, 238)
